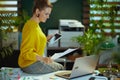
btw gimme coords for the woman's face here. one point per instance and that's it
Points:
(44, 14)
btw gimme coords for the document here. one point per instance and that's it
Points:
(58, 55)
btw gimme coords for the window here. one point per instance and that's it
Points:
(8, 13)
(105, 16)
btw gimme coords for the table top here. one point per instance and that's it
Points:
(50, 76)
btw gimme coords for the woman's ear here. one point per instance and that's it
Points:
(37, 12)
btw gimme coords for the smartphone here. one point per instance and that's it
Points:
(55, 38)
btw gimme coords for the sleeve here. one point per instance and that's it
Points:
(28, 44)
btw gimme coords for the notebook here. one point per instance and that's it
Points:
(82, 66)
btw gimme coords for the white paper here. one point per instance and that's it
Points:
(58, 55)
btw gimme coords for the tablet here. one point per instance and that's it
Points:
(55, 38)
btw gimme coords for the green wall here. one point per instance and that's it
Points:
(62, 9)
(27, 6)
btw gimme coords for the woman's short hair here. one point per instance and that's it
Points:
(41, 4)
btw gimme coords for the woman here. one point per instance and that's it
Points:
(34, 41)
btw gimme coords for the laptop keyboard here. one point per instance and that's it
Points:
(67, 75)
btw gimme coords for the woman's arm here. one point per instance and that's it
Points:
(49, 37)
(46, 60)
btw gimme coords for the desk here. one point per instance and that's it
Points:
(19, 75)
(51, 76)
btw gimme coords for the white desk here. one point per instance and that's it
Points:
(49, 76)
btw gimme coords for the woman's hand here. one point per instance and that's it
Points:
(46, 60)
(49, 37)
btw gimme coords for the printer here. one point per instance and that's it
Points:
(70, 25)
(69, 28)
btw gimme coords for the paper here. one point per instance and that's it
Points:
(58, 55)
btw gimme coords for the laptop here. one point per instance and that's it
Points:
(82, 66)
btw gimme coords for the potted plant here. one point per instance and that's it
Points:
(7, 22)
(5, 50)
(96, 36)
(90, 42)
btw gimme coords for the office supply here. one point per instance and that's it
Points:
(58, 55)
(82, 66)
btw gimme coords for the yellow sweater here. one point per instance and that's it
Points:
(33, 43)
